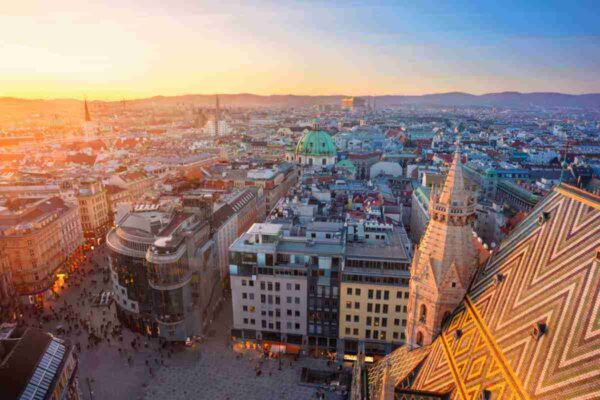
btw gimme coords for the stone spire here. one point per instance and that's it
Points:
(88, 118)
(445, 260)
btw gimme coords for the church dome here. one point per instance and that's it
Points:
(316, 143)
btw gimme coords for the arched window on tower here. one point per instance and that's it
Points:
(423, 313)
(324, 161)
(419, 339)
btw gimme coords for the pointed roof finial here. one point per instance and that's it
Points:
(454, 186)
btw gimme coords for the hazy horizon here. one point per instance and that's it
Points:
(113, 49)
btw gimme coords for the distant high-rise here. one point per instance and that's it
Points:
(217, 130)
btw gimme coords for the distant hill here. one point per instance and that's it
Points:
(503, 99)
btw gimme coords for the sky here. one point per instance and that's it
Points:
(115, 49)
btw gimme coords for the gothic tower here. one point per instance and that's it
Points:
(445, 260)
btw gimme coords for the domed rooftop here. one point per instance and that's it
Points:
(346, 164)
(316, 143)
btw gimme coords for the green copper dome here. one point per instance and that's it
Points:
(316, 143)
(346, 164)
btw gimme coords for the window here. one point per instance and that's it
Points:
(398, 308)
(251, 295)
(404, 309)
(289, 325)
(251, 308)
(423, 313)
(395, 335)
(250, 283)
(419, 339)
(245, 320)
(356, 318)
(368, 334)
(277, 312)
(270, 299)
(244, 308)
(277, 300)
(369, 307)
(270, 325)
(377, 308)
(349, 304)
(399, 294)
(289, 313)
(386, 295)
(278, 325)
(378, 294)
(263, 298)
(397, 321)
(376, 321)
(357, 292)
(244, 283)
(347, 331)
(297, 300)
(263, 313)
(252, 321)
(370, 293)
(262, 286)
(385, 308)
(349, 291)
(263, 323)
(270, 313)
(375, 334)
(277, 288)
(297, 313)
(297, 286)
(269, 286)
(297, 325)
(384, 322)
(453, 284)
(369, 319)
(288, 286)
(357, 305)
(348, 317)
(403, 322)
(289, 300)
(406, 295)
(244, 295)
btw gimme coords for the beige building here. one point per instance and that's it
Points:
(94, 210)
(38, 236)
(374, 289)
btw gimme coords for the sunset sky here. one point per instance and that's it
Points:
(115, 49)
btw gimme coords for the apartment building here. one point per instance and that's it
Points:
(135, 183)
(94, 210)
(38, 237)
(374, 289)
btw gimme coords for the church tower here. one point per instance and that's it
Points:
(445, 260)
(90, 128)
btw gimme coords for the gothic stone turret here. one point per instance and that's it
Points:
(445, 260)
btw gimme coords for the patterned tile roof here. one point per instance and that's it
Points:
(529, 327)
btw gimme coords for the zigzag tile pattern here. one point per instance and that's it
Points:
(548, 272)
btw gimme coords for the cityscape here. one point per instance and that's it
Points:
(279, 239)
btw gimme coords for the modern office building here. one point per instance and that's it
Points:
(163, 269)
(374, 289)
(285, 285)
(36, 365)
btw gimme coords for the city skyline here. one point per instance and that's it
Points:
(112, 51)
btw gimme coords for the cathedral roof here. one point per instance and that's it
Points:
(528, 327)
